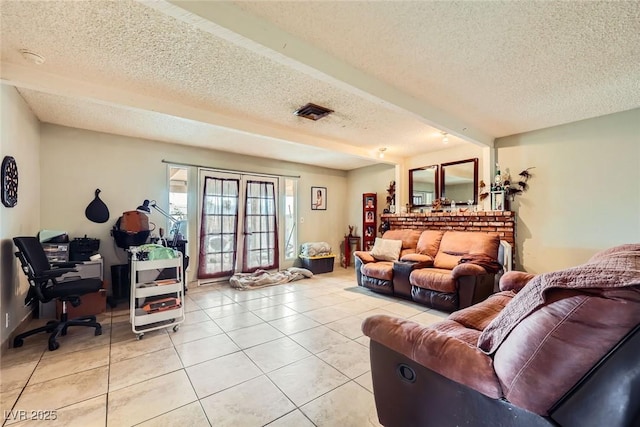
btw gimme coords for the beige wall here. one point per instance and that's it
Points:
(461, 152)
(370, 179)
(128, 170)
(19, 137)
(585, 193)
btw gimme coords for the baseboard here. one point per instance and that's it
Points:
(22, 326)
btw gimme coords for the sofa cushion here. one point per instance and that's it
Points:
(386, 249)
(435, 279)
(429, 242)
(409, 237)
(455, 244)
(425, 260)
(552, 348)
(380, 270)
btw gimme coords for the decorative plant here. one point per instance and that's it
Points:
(514, 189)
(521, 186)
(482, 194)
(391, 195)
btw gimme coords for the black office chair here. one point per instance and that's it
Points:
(44, 288)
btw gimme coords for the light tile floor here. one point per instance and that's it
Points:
(286, 355)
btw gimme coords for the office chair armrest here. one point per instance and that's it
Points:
(53, 273)
(65, 264)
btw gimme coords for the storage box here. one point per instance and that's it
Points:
(56, 252)
(92, 304)
(318, 264)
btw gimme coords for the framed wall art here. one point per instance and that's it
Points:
(318, 198)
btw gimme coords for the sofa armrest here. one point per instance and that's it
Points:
(442, 353)
(467, 269)
(473, 289)
(365, 257)
(421, 260)
(514, 280)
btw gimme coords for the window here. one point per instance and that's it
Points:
(290, 214)
(178, 201)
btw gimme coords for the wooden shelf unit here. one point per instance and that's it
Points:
(369, 220)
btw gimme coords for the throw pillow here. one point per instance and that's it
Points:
(386, 249)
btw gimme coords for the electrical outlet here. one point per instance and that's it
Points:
(6, 321)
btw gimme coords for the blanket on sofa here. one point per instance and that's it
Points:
(488, 263)
(262, 278)
(614, 268)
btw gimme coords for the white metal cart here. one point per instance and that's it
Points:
(156, 303)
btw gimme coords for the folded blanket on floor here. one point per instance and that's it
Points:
(261, 278)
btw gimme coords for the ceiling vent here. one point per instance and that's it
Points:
(312, 112)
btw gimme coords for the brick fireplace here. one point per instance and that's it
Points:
(501, 223)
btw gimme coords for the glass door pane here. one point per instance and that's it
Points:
(218, 227)
(178, 202)
(290, 215)
(260, 226)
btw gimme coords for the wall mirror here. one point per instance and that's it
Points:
(459, 181)
(423, 185)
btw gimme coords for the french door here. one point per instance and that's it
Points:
(238, 224)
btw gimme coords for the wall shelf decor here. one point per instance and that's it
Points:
(9, 182)
(369, 220)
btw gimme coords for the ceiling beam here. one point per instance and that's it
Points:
(225, 20)
(29, 77)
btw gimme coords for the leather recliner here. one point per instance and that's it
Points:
(377, 274)
(557, 349)
(430, 270)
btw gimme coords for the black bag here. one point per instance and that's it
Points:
(97, 211)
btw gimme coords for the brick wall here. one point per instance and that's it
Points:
(500, 223)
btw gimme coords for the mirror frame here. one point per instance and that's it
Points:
(475, 177)
(436, 179)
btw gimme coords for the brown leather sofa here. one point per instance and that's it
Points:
(377, 274)
(557, 349)
(429, 269)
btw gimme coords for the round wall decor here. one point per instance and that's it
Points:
(9, 182)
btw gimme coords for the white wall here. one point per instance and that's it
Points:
(585, 193)
(20, 138)
(128, 170)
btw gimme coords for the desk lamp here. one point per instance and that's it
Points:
(145, 208)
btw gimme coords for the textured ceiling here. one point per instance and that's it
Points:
(506, 67)
(228, 75)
